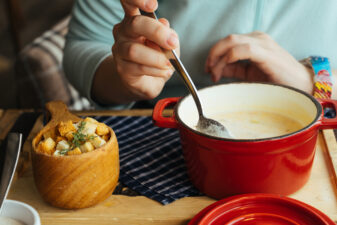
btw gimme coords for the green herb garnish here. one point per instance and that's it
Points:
(79, 137)
(78, 140)
(64, 151)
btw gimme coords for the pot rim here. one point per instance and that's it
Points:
(317, 104)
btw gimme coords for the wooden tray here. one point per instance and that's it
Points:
(319, 192)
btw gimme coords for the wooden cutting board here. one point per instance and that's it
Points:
(320, 192)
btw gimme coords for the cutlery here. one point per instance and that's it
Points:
(25, 123)
(204, 125)
(9, 155)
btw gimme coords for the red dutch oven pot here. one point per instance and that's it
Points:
(221, 167)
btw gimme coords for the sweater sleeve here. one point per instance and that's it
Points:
(89, 40)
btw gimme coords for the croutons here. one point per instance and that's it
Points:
(102, 129)
(89, 128)
(87, 147)
(47, 146)
(75, 151)
(61, 145)
(97, 141)
(90, 120)
(66, 127)
(70, 138)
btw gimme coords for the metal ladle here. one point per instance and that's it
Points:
(204, 125)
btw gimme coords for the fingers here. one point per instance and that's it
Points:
(239, 61)
(239, 54)
(164, 21)
(131, 7)
(138, 57)
(217, 70)
(228, 57)
(142, 81)
(253, 53)
(267, 61)
(157, 31)
(242, 71)
(141, 54)
(135, 69)
(223, 46)
(236, 70)
(219, 49)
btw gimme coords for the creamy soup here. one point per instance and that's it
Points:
(9, 221)
(257, 124)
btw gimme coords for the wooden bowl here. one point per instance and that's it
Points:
(74, 181)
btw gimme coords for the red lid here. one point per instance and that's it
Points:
(260, 209)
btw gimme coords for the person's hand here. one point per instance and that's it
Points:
(257, 57)
(137, 56)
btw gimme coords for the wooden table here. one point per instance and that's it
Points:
(319, 192)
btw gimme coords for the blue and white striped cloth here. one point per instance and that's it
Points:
(151, 160)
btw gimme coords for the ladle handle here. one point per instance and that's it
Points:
(179, 67)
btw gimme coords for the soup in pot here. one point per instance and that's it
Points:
(257, 124)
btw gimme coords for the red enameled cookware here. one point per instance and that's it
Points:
(260, 209)
(222, 167)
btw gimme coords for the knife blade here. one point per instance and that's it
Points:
(9, 156)
(24, 124)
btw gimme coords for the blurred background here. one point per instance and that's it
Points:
(22, 22)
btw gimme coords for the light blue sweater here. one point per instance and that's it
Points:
(302, 27)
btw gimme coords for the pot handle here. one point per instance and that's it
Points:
(328, 123)
(157, 116)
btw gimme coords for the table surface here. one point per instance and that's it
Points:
(320, 191)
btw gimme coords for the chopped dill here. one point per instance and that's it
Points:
(64, 151)
(79, 137)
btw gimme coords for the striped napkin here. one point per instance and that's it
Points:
(151, 160)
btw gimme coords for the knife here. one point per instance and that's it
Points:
(24, 124)
(9, 155)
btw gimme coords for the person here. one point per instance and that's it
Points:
(115, 56)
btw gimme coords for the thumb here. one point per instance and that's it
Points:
(131, 7)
